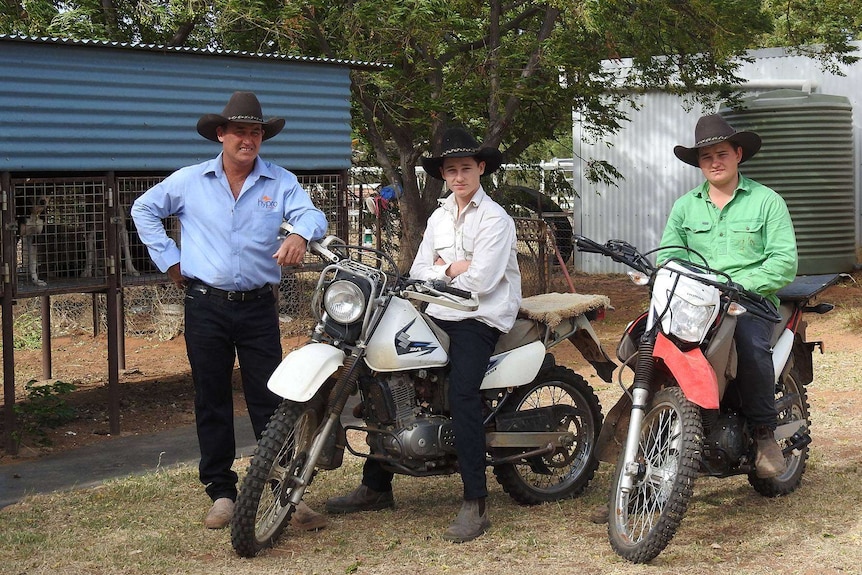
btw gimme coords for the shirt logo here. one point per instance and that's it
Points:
(267, 203)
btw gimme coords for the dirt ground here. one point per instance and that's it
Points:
(156, 391)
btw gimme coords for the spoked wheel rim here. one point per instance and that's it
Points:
(660, 447)
(555, 469)
(274, 504)
(563, 403)
(644, 520)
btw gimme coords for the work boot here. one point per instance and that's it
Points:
(769, 461)
(219, 514)
(305, 518)
(599, 514)
(362, 498)
(469, 524)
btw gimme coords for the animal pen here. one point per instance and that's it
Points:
(86, 127)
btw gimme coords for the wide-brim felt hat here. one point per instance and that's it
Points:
(242, 108)
(458, 143)
(713, 129)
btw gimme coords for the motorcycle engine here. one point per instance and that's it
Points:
(726, 442)
(412, 431)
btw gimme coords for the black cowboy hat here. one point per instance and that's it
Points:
(243, 108)
(457, 143)
(714, 129)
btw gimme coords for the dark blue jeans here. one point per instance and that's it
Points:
(471, 344)
(755, 374)
(217, 331)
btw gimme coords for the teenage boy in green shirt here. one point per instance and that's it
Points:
(744, 229)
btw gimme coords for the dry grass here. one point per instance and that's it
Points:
(152, 524)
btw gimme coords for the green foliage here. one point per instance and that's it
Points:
(817, 28)
(45, 407)
(27, 329)
(512, 73)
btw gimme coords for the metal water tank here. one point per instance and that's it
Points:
(807, 157)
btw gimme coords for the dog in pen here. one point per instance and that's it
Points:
(30, 225)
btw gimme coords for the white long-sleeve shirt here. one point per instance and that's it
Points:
(484, 234)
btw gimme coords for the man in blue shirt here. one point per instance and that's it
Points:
(230, 209)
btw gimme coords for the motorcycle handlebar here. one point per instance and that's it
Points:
(432, 292)
(442, 286)
(623, 252)
(587, 245)
(618, 250)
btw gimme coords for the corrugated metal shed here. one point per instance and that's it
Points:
(95, 106)
(654, 178)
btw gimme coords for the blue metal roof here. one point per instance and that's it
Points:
(96, 106)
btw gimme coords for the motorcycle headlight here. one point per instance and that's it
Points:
(344, 301)
(689, 322)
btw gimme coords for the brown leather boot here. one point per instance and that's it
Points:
(769, 461)
(469, 524)
(305, 518)
(219, 514)
(360, 499)
(600, 514)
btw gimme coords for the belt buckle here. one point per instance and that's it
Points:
(234, 296)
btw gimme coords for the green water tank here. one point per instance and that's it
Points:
(807, 157)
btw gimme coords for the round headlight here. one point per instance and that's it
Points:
(344, 301)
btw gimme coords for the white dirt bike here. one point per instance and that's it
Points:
(542, 420)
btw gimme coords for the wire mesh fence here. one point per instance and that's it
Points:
(72, 249)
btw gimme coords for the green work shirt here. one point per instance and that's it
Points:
(751, 239)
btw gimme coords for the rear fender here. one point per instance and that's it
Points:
(303, 371)
(588, 343)
(691, 370)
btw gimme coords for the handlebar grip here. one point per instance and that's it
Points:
(446, 288)
(587, 245)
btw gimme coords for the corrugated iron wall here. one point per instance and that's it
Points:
(80, 107)
(654, 178)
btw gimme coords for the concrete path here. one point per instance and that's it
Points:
(119, 457)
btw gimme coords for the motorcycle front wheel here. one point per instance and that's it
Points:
(644, 520)
(567, 471)
(262, 508)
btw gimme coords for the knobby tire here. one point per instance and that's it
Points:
(642, 522)
(262, 511)
(566, 472)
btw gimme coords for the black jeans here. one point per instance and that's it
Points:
(217, 331)
(755, 374)
(471, 344)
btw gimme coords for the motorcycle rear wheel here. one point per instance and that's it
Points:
(796, 462)
(643, 521)
(262, 508)
(566, 472)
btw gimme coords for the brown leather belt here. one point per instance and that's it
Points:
(231, 295)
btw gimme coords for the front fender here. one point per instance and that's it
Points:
(587, 342)
(303, 371)
(691, 370)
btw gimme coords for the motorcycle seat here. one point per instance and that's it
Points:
(553, 308)
(804, 288)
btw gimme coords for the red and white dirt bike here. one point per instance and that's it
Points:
(676, 421)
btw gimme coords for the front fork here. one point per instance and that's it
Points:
(345, 385)
(640, 402)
